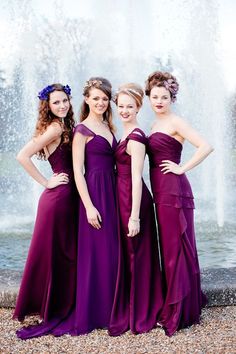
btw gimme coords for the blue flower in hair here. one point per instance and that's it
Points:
(67, 89)
(43, 95)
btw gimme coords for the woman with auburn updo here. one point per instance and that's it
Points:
(48, 283)
(174, 204)
(138, 296)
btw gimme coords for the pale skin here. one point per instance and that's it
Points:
(169, 123)
(127, 110)
(59, 105)
(98, 103)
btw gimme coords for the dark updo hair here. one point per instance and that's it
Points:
(162, 79)
(105, 86)
(133, 90)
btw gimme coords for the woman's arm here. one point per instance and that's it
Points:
(36, 144)
(137, 152)
(78, 152)
(183, 129)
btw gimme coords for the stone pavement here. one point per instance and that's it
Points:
(215, 334)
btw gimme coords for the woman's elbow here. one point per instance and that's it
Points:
(78, 173)
(19, 157)
(206, 148)
(209, 148)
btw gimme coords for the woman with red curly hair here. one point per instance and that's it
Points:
(174, 204)
(48, 283)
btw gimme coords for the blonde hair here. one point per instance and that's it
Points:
(133, 90)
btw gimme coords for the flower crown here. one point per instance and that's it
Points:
(125, 90)
(92, 83)
(43, 95)
(172, 86)
(129, 90)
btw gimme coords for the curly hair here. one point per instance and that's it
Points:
(105, 86)
(162, 79)
(46, 117)
(133, 90)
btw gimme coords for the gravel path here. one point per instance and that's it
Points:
(215, 334)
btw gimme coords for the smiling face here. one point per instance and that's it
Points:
(59, 103)
(160, 99)
(97, 101)
(127, 108)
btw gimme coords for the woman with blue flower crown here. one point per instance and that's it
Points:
(49, 278)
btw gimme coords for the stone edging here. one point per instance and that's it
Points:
(219, 285)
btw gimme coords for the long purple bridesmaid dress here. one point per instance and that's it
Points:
(48, 283)
(138, 296)
(97, 249)
(174, 210)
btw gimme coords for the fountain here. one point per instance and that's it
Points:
(69, 48)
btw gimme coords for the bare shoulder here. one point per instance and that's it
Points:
(55, 127)
(176, 119)
(52, 133)
(179, 123)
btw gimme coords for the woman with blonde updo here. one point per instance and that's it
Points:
(174, 204)
(49, 280)
(138, 296)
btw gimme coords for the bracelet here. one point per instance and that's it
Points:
(134, 220)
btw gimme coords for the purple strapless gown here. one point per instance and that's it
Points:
(48, 283)
(174, 210)
(97, 249)
(138, 297)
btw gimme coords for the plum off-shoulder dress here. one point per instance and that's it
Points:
(138, 296)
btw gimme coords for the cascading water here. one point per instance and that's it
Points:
(123, 41)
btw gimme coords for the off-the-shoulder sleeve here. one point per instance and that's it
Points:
(81, 128)
(138, 135)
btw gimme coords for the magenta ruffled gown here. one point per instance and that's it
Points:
(138, 296)
(174, 210)
(48, 283)
(97, 249)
